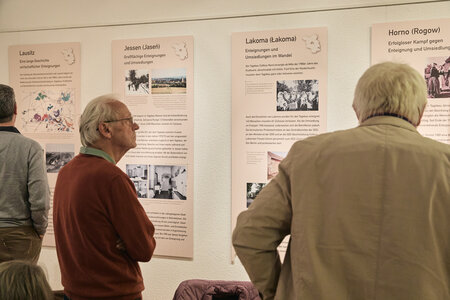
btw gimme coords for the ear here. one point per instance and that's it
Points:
(15, 108)
(105, 130)
(421, 115)
(356, 112)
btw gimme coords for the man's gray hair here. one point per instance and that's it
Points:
(7, 103)
(391, 88)
(23, 280)
(98, 110)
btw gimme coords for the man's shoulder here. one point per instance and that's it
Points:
(437, 145)
(323, 138)
(371, 135)
(32, 143)
(20, 141)
(94, 164)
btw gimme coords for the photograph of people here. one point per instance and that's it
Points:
(296, 95)
(168, 182)
(437, 77)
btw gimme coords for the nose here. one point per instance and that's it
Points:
(135, 126)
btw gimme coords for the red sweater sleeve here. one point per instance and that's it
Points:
(130, 220)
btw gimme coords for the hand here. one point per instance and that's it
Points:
(120, 245)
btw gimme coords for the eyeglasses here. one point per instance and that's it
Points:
(130, 119)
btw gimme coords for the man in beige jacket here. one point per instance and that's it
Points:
(367, 208)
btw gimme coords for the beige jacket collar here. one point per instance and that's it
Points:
(389, 120)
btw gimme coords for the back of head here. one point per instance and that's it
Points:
(390, 88)
(21, 280)
(98, 110)
(7, 103)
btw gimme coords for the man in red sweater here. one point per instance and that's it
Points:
(101, 229)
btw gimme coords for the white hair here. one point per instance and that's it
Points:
(98, 110)
(392, 88)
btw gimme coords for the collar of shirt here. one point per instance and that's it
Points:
(390, 115)
(97, 152)
(9, 129)
(389, 120)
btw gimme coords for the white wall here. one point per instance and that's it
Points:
(25, 14)
(349, 56)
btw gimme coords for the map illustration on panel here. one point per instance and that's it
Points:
(48, 111)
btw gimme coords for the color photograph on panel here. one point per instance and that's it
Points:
(169, 81)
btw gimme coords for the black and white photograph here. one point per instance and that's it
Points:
(136, 171)
(437, 77)
(167, 182)
(57, 156)
(141, 188)
(273, 160)
(137, 83)
(297, 95)
(169, 81)
(253, 190)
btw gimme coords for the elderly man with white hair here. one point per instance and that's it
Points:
(366, 208)
(101, 229)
